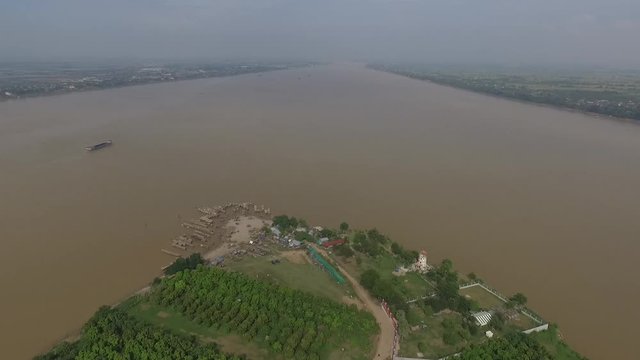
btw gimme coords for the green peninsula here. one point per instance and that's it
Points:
(277, 288)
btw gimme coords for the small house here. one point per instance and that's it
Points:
(275, 231)
(332, 243)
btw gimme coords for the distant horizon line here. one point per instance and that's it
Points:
(89, 60)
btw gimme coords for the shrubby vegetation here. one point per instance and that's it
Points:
(551, 340)
(291, 322)
(517, 301)
(182, 264)
(514, 346)
(112, 334)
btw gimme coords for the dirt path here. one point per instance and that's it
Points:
(384, 349)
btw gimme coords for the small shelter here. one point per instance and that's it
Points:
(482, 318)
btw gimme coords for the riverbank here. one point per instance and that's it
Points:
(603, 104)
(39, 80)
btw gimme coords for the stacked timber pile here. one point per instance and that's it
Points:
(210, 228)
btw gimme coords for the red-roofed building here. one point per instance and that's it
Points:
(332, 243)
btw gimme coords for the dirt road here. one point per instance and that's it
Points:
(384, 348)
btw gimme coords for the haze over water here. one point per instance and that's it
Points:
(532, 199)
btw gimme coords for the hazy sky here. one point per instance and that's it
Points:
(492, 31)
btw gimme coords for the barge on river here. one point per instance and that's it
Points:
(99, 146)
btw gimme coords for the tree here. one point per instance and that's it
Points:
(369, 278)
(519, 299)
(182, 264)
(344, 250)
(114, 334)
(284, 222)
(235, 302)
(396, 248)
(328, 233)
(497, 321)
(447, 295)
(344, 227)
(514, 346)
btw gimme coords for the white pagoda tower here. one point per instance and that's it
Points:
(421, 264)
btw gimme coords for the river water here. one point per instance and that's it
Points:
(532, 199)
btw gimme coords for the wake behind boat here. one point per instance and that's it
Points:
(99, 146)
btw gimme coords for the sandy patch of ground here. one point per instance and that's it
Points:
(242, 227)
(239, 232)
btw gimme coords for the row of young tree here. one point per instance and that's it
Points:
(112, 334)
(293, 323)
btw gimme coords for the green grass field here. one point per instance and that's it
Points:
(428, 338)
(411, 285)
(488, 301)
(300, 275)
(485, 299)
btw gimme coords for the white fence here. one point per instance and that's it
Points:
(524, 312)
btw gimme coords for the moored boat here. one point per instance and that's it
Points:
(99, 146)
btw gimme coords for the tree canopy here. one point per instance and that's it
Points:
(182, 264)
(292, 322)
(112, 334)
(284, 222)
(447, 286)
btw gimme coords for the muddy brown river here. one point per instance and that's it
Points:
(532, 199)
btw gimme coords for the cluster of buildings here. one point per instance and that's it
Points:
(289, 240)
(285, 240)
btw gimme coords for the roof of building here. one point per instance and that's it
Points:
(332, 243)
(482, 317)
